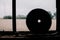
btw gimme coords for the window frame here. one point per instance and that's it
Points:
(14, 18)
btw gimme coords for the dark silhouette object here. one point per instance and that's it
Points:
(38, 21)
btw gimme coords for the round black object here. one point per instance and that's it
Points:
(38, 21)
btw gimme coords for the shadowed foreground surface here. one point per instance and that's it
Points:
(27, 34)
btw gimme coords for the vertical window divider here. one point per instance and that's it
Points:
(14, 15)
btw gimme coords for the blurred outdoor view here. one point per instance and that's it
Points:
(23, 7)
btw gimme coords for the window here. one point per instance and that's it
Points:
(5, 15)
(23, 7)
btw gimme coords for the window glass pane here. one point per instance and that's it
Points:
(23, 7)
(5, 15)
